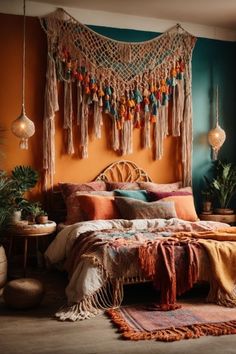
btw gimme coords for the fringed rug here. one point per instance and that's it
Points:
(192, 320)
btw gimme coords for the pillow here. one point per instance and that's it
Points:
(135, 194)
(137, 209)
(153, 196)
(122, 185)
(184, 206)
(69, 188)
(96, 207)
(101, 193)
(73, 208)
(160, 187)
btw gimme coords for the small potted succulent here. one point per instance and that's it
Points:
(32, 210)
(42, 218)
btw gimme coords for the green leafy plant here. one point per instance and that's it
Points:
(33, 208)
(223, 185)
(25, 178)
(7, 192)
(12, 189)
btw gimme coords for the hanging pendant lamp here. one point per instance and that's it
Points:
(216, 136)
(23, 127)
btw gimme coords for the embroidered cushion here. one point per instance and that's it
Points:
(137, 209)
(135, 194)
(160, 187)
(69, 188)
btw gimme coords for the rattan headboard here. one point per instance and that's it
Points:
(123, 171)
(119, 171)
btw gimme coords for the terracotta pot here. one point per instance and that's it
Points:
(31, 219)
(42, 219)
(207, 206)
(223, 211)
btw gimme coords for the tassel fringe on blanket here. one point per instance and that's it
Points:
(139, 85)
(110, 295)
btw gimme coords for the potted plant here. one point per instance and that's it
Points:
(13, 187)
(25, 178)
(32, 210)
(42, 218)
(223, 186)
(206, 202)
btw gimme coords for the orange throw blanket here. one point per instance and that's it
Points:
(220, 246)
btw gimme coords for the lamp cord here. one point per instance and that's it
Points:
(217, 107)
(23, 62)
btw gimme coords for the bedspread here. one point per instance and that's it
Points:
(100, 262)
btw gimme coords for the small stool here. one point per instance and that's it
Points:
(23, 293)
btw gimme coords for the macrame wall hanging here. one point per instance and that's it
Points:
(137, 84)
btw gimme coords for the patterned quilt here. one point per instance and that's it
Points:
(100, 256)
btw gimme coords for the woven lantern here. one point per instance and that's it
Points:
(23, 127)
(216, 136)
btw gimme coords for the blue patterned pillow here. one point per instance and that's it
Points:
(135, 194)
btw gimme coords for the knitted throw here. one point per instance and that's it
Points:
(170, 274)
(139, 85)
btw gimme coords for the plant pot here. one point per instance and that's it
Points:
(3, 267)
(31, 219)
(223, 211)
(42, 219)
(15, 217)
(207, 207)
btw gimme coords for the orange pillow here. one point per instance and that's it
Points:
(184, 207)
(94, 207)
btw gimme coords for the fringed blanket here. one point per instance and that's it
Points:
(172, 275)
(101, 261)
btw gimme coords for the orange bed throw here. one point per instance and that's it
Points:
(220, 246)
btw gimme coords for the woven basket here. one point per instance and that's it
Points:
(3, 267)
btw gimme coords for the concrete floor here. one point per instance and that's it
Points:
(35, 331)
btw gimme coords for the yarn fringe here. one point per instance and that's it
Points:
(109, 296)
(172, 334)
(134, 95)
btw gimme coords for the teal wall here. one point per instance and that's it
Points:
(213, 64)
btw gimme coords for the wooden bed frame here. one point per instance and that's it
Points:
(118, 171)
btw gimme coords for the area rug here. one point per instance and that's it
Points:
(193, 320)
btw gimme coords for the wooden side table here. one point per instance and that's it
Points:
(27, 232)
(226, 218)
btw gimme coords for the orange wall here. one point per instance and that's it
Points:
(67, 168)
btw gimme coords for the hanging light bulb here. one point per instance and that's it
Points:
(216, 136)
(23, 127)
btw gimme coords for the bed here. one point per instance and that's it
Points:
(123, 228)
